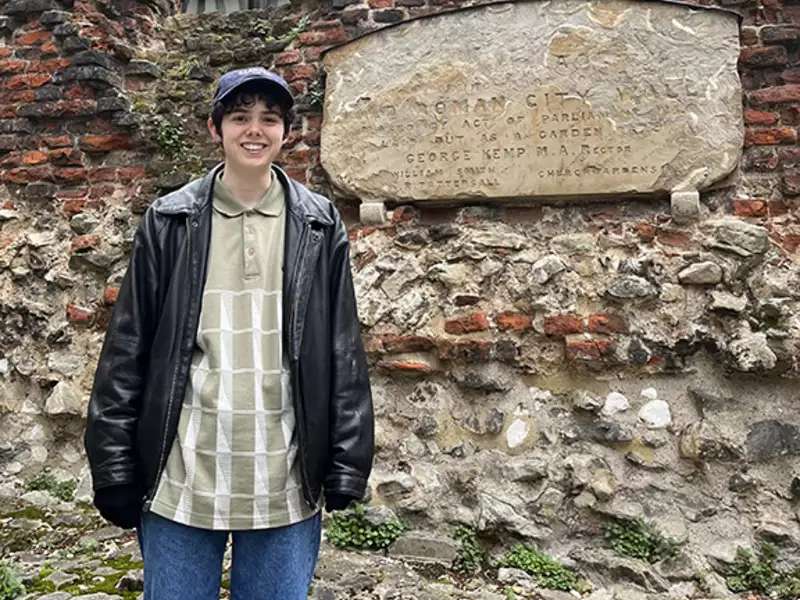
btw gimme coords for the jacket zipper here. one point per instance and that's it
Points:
(190, 223)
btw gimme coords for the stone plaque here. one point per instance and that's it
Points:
(536, 99)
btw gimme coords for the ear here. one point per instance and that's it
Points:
(215, 136)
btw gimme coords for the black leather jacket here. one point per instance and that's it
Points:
(144, 364)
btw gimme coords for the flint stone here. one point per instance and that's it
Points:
(509, 575)
(514, 70)
(702, 273)
(97, 596)
(586, 401)
(488, 378)
(702, 440)
(751, 352)
(143, 68)
(656, 414)
(505, 240)
(725, 301)
(615, 403)
(524, 469)
(573, 243)
(770, 439)
(418, 545)
(743, 239)
(614, 567)
(547, 267)
(65, 399)
(628, 287)
(39, 498)
(56, 596)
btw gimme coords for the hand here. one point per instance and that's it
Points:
(120, 504)
(337, 502)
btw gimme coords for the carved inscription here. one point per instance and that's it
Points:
(536, 99)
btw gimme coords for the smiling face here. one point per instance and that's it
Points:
(251, 134)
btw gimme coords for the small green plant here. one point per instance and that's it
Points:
(10, 585)
(637, 539)
(45, 482)
(545, 570)
(169, 137)
(351, 529)
(299, 28)
(316, 94)
(756, 572)
(471, 556)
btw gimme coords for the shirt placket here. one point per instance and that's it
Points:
(251, 262)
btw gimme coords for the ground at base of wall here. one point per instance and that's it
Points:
(65, 551)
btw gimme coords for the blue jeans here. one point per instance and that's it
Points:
(185, 563)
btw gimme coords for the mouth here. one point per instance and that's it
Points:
(253, 148)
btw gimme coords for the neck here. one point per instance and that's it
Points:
(246, 186)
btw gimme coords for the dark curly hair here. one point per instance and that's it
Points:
(246, 96)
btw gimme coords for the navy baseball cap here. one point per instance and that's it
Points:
(233, 79)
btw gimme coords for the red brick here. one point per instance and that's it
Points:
(768, 137)
(6, 52)
(646, 231)
(790, 183)
(754, 207)
(562, 325)
(467, 324)
(85, 242)
(409, 367)
(770, 56)
(381, 3)
(34, 157)
(79, 314)
(513, 321)
(406, 343)
(672, 237)
(73, 206)
(467, 350)
(49, 66)
(298, 72)
(777, 94)
(110, 295)
(289, 57)
(57, 141)
(791, 75)
(32, 38)
(791, 242)
(748, 36)
(64, 157)
(11, 66)
(296, 174)
(26, 80)
(775, 34)
(583, 348)
(405, 214)
(129, 174)
(758, 117)
(105, 143)
(606, 323)
(325, 37)
(70, 174)
(29, 175)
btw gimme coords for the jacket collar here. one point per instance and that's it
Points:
(196, 196)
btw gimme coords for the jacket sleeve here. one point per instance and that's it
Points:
(351, 417)
(121, 371)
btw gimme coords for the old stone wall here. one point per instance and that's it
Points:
(537, 370)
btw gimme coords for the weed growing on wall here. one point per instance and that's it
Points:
(545, 570)
(169, 137)
(351, 529)
(46, 482)
(471, 556)
(10, 585)
(757, 572)
(637, 539)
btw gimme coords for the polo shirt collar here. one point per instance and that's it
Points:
(270, 204)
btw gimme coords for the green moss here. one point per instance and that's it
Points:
(350, 529)
(10, 585)
(29, 512)
(124, 563)
(637, 539)
(545, 570)
(169, 137)
(46, 482)
(471, 556)
(757, 572)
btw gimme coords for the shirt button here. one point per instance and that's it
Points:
(251, 251)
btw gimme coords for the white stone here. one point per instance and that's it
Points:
(64, 399)
(650, 393)
(38, 498)
(38, 454)
(13, 468)
(516, 433)
(656, 414)
(615, 403)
